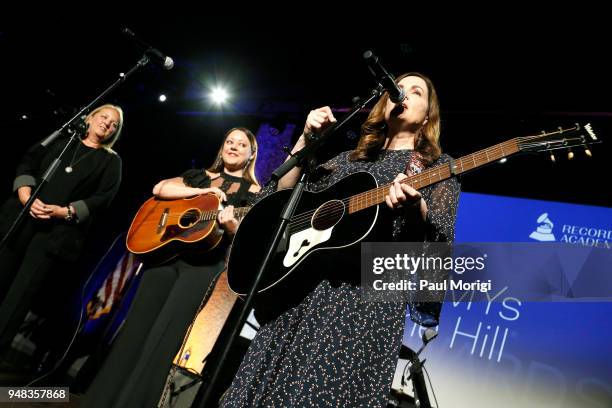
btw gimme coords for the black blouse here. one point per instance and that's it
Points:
(235, 188)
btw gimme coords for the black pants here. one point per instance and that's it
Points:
(24, 267)
(166, 302)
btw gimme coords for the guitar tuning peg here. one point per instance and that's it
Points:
(587, 152)
(570, 154)
(552, 158)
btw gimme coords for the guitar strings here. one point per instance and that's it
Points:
(304, 219)
(204, 216)
(301, 220)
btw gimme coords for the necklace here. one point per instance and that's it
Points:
(70, 167)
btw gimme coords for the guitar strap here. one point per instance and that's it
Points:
(414, 165)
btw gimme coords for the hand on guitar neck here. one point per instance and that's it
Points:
(402, 195)
(227, 220)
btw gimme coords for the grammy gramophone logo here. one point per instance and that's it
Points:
(544, 230)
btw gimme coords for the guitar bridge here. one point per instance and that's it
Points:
(162, 221)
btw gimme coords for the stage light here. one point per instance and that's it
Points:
(162, 98)
(219, 95)
(503, 160)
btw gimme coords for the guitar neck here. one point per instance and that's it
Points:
(437, 174)
(239, 213)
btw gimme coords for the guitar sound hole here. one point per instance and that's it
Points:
(328, 215)
(189, 218)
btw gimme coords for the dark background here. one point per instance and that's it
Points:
(495, 81)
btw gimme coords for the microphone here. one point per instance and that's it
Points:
(50, 138)
(165, 61)
(396, 94)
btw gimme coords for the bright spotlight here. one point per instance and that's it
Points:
(162, 98)
(219, 95)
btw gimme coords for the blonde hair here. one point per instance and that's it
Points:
(249, 171)
(374, 129)
(108, 144)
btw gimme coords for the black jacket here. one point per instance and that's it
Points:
(89, 188)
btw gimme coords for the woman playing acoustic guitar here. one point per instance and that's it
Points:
(169, 296)
(332, 348)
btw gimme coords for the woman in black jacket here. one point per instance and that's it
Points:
(51, 238)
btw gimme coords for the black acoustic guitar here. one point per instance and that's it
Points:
(344, 214)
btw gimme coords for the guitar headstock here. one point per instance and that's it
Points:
(573, 137)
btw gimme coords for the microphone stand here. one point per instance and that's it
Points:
(419, 387)
(299, 159)
(418, 380)
(69, 125)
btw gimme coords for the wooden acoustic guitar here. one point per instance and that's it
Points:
(163, 229)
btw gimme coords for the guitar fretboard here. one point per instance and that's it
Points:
(436, 174)
(239, 213)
